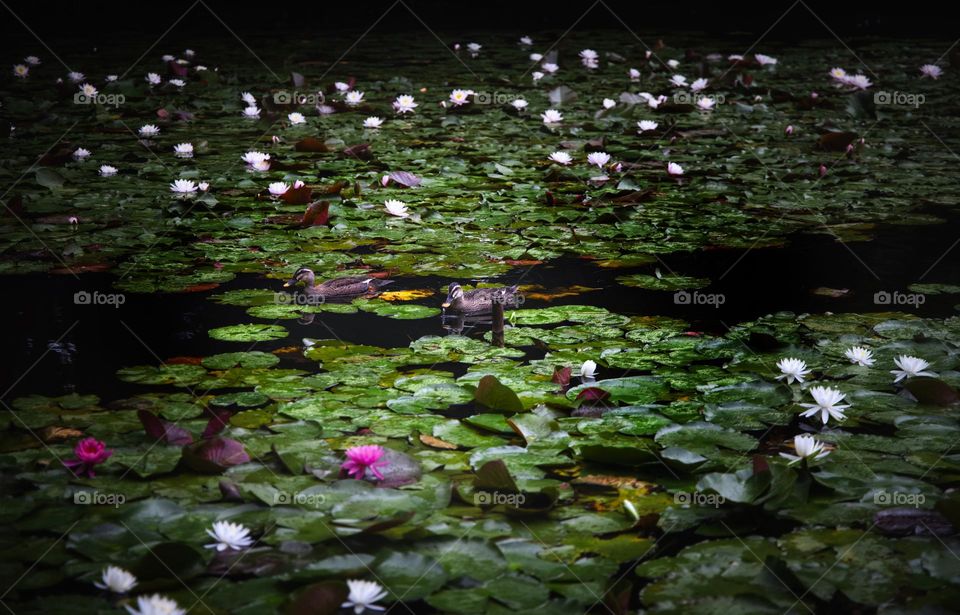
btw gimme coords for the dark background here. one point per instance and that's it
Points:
(98, 20)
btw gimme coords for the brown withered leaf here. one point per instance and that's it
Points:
(437, 442)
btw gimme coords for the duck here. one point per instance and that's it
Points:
(480, 300)
(347, 287)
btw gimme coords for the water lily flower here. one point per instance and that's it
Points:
(107, 171)
(460, 97)
(598, 158)
(373, 122)
(167, 57)
(253, 158)
(645, 125)
(763, 60)
(363, 458)
(396, 208)
(183, 187)
(229, 536)
(248, 98)
(838, 73)
(526, 40)
(536, 57)
(21, 70)
(88, 453)
(561, 158)
(699, 84)
(588, 369)
(634, 74)
(341, 86)
(189, 53)
(673, 63)
(81, 154)
(296, 118)
(278, 188)
(155, 605)
(536, 75)
(674, 169)
(859, 355)
(325, 109)
(822, 170)
(807, 447)
(404, 104)
(910, 367)
(549, 67)
(826, 404)
(931, 70)
(153, 79)
(88, 90)
(788, 130)
(609, 103)
(589, 58)
(362, 596)
(551, 116)
(706, 103)
(474, 49)
(353, 98)
(32, 60)
(76, 77)
(203, 186)
(251, 112)
(111, 78)
(183, 150)
(678, 81)
(148, 130)
(792, 369)
(734, 57)
(859, 82)
(519, 104)
(117, 580)
(177, 83)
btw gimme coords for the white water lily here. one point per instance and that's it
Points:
(763, 60)
(341, 86)
(598, 158)
(76, 77)
(474, 49)
(167, 57)
(551, 116)
(155, 605)
(536, 76)
(251, 113)
(203, 186)
(609, 103)
(404, 104)
(252, 158)
(373, 122)
(678, 81)
(674, 169)
(673, 63)
(183, 150)
(460, 97)
(931, 70)
(32, 60)
(296, 118)
(81, 154)
(588, 369)
(838, 73)
(116, 580)
(911, 367)
(363, 595)
(590, 59)
(806, 447)
(177, 83)
(148, 130)
(353, 98)
(699, 84)
(108, 171)
(519, 104)
(549, 67)
(21, 70)
(792, 369)
(826, 404)
(645, 125)
(248, 98)
(278, 188)
(536, 57)
(153, 79)
(858, 81)
(229, 536)
(183, 187)
(634, 74)
(396, 208)
(526, 40)
(706, 103)
(561, 158)
(111, 78)
(859, 355)
(88, 90)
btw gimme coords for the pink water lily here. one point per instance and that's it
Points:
(89, 452)
(362, 458)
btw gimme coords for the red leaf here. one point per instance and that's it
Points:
(561, 375)
(317, 214)
(297, 196)
(311, 144)
(405, 178)
(177, 70)
(215, 455)
(360, 151)
(593, 394)
(216, 424)
(159, 429)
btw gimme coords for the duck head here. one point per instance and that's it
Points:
(302, 275)
(453, 295)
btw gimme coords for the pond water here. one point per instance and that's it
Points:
(732, 384)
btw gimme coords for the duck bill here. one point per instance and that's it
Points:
(445, 304)
(289, 283)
